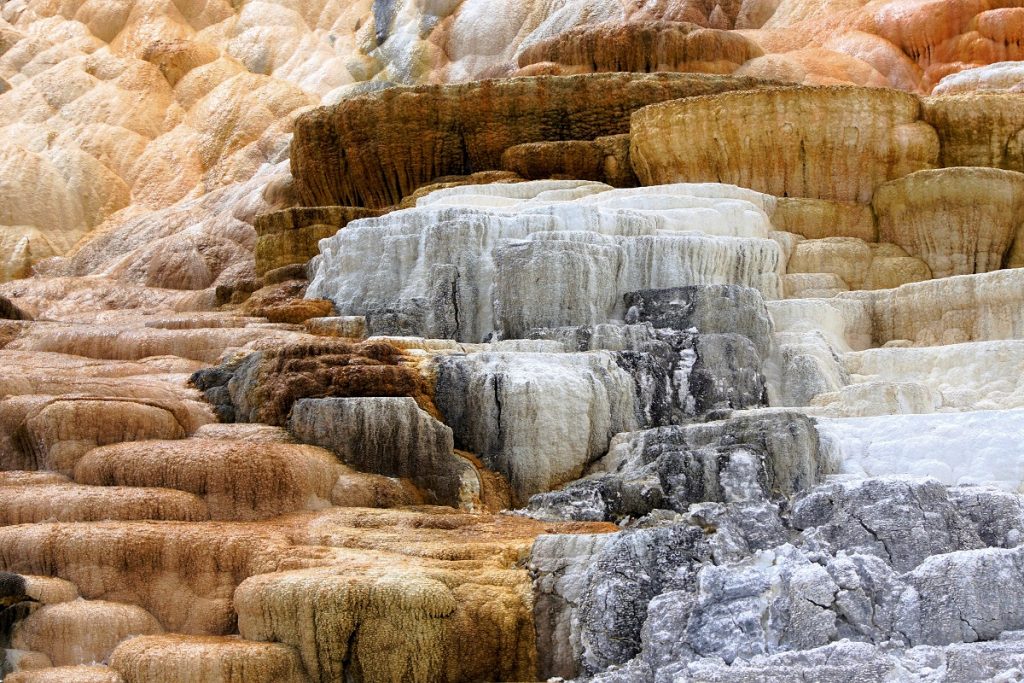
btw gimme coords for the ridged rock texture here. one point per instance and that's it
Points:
(475, 261)
(375, 149)
(150, 126)
(835, 144)
(648, 341)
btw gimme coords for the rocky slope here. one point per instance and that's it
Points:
(671, 354)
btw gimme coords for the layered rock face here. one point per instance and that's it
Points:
(375, 149)
(631, 363)
(473, 262)
(762, 141)
(149, 126)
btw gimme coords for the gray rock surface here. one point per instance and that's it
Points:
(707, 309)
(747, 458)
(903, 521)
(880, 579)
(389, 436)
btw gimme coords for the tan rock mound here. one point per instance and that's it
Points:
(70, 503)
(639, 47)
(54, 434)
(238, 480)
(986, 129)
(958, 220)
(858, 264)
(375, 149)
(819, 218)
(180, 572)
(183, 659)
(393, 620)
(263, 387)
(81, 631)
(605, 159)
(783, 141)
(67, 674)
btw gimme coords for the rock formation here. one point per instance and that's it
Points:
(375, 149)
(958, 220)
(760, 140)
(661, 340)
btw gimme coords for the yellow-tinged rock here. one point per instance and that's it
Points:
(185, 659)
(957, 220)
(984, 129)
(834, 143)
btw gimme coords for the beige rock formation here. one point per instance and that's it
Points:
(69, 503)
(982, 129)
(958, 220)
(67, 674)
(81, 631)
(182, 659)
(951, 310)
(146, 126)
(143, 139)
(819, 218)
(237, 480)
(858, 264)
(639, 47)
(782, 141)
(461, 625)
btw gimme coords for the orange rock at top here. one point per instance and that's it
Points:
(642, 47)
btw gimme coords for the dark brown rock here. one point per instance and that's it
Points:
(375, 149)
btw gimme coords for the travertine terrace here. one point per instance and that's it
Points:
(501, 340)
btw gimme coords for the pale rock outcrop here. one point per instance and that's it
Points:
(983, 307)
(958, 220)
(472, 261)
(1000, 76)
(177, 659)
(81, 631)
(970, 376)
(980, 447)
(781, 141)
